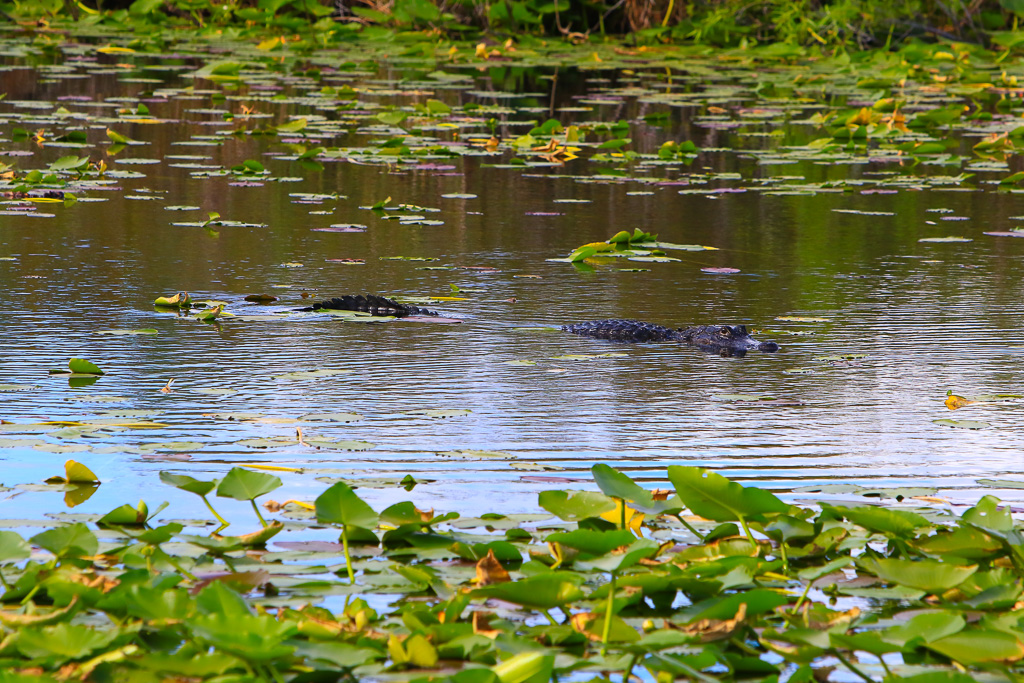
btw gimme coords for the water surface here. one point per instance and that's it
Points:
(854, 395)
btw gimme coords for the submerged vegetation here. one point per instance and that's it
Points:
(709, 581)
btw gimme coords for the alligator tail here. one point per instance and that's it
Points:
(370, 303)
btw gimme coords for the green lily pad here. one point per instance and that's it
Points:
(962, 424)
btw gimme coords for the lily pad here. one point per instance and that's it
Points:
(312, 374)
(962, 424)
(440, 412)
(469, 453)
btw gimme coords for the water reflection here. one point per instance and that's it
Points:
(916, 319)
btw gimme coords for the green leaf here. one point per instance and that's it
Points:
(640, 549)
(966, 542)
(543, 591)
(926, 575)
(526, 667)
(898, 523)
(617, 485)
(437, 107)
(73, 540)
(575, 505)
(1012, 179)
(392, 118)
(243, 484)
(866, 641)
(980, 646)
(62, 642)
(758, 601)
(929, 627)
(714, 497)
(219, 69)
(218, 598)
(117, 137)
(617, 143)
(126, 515)
(187, 483)
(69, 163)
(13, 547)
(141, 8)
(593, 542)
(291, 127)
(253, 638)
(338, 654)
(83, 367)
(340, 505)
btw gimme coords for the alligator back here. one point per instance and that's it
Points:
(370, 303)
(725, 340)
(624, 331)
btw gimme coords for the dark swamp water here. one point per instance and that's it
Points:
(824, 233)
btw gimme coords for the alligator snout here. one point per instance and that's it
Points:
(768, 347)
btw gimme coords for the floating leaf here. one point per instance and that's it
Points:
(471, 453)
(243, 484)
(712, 496)
(121, 333)
(312, 374)
(803, 319)
(962, 424)
(440, 412)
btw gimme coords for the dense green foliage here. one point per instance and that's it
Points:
(830, 24)
(711, 581)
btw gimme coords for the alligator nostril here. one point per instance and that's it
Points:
(769, 347)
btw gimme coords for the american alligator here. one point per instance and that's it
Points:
(722, 339)
(372, 304)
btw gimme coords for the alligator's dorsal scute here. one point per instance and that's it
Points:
(727, 340)
(369, 303)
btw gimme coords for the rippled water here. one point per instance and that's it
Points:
(927, 317)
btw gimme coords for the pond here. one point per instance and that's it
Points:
(887, 270)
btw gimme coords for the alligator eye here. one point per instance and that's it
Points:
(725, 332)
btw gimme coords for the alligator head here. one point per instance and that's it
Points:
(725, 340)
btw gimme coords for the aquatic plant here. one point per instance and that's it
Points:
(710, 581)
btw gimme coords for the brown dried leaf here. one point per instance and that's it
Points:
(42, 619)
(482, 625)
(490, 571)
(833, 620)
(707, 630)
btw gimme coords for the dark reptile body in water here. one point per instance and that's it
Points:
(725, 340)
(372, 304)
(722, 339)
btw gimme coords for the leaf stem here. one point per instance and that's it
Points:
(849, 665)
(174, 563)
(690, 528)
(257, 511)
(608, 615)
(800, 600)
(348, 558)
(629, 670)
(220, 519)
(746, 530)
